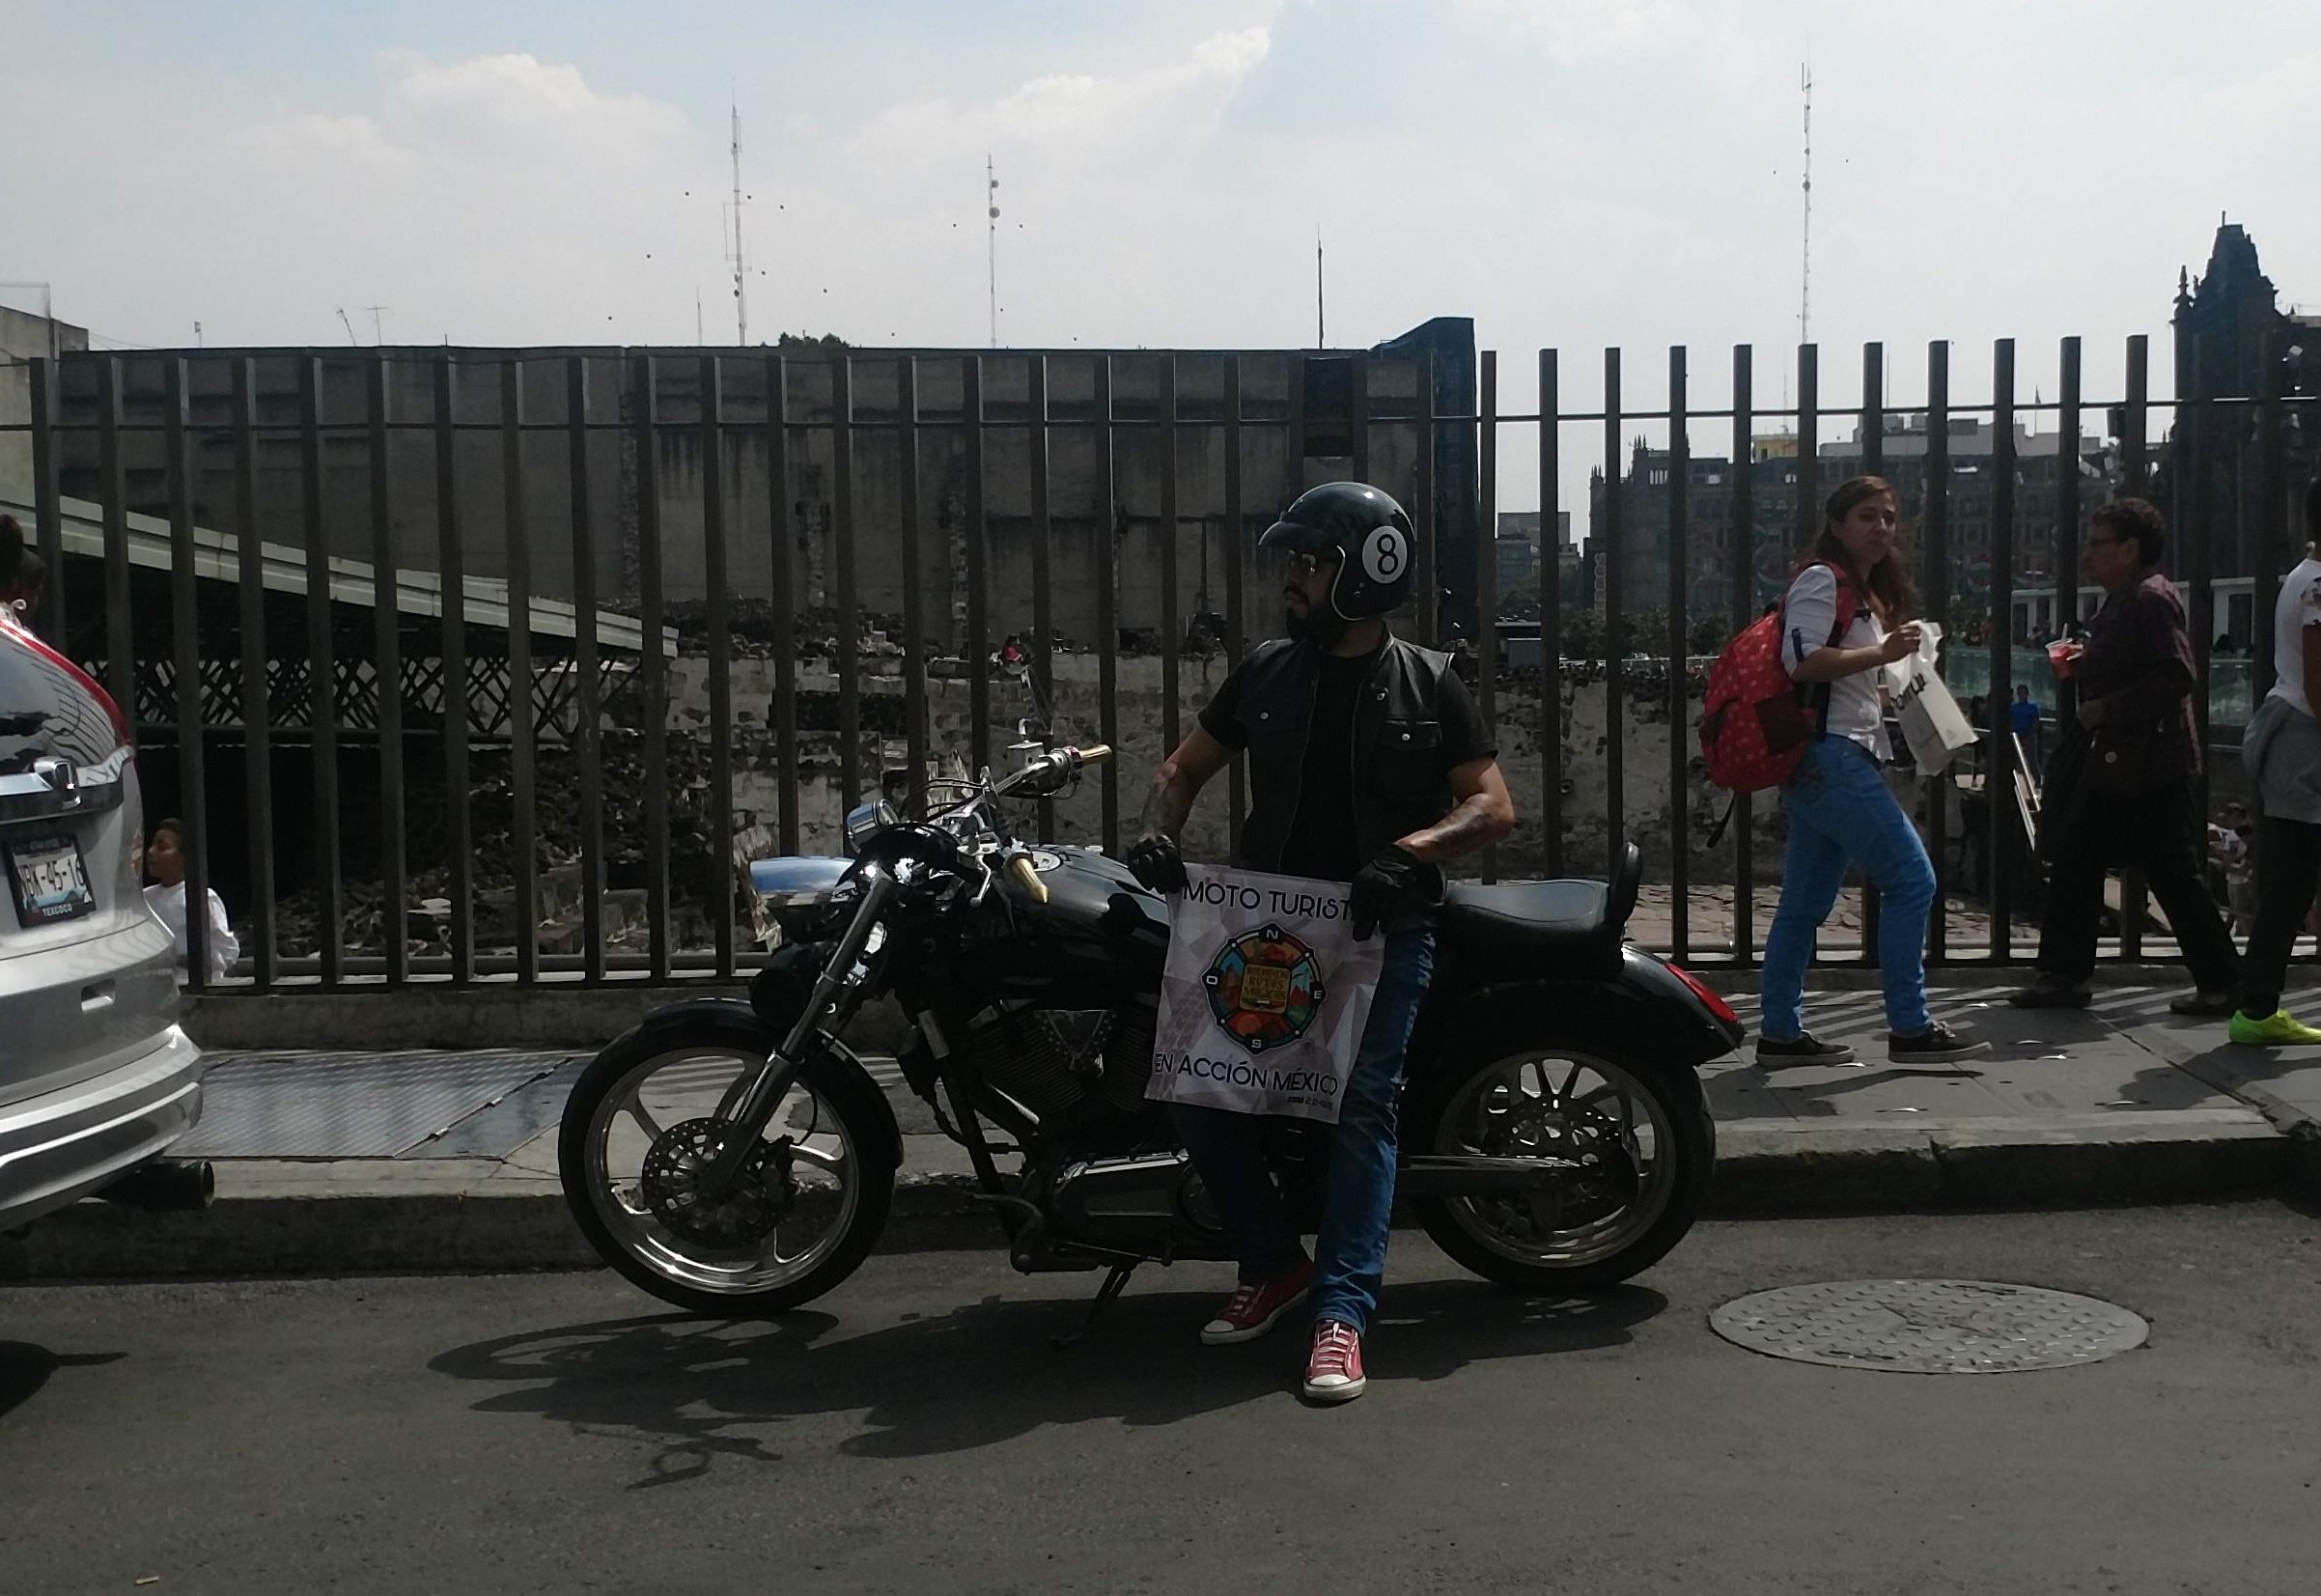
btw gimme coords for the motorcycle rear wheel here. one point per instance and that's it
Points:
(835, 1201)
(1530, 1098)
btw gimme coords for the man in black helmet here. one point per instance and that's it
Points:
(1368, 763)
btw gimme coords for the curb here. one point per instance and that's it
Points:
(1763, 1169)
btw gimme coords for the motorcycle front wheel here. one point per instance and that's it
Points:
(1640, 1128)
(807, 1217)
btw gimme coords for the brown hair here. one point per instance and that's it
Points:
(1889, 581)
(2138, 521)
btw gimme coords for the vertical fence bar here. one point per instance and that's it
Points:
(653, 667)
(978, 644)
(2134, 443)
(185, 636)
(256, 707)
(522, 758)
(323, 677)
(386, 637)
(2064, 556)
(784, 581)
(1551, 619)
(2274, 543)
(1108, 612)
(1934, 554)
(717, 615)
(1487, 562)
(587, 741)
(1873, 464)
(1680, 518)
(847, 659)
(1615, 640)
(47, 508)
(1172, 624)
(1806, 524)
(1041, 658)
(2208, 428)
(1741, 524)
(1236, 555)
(1425, 619)
(1357, 414)
(452, 561)
(1998, 787)
(914, 585)
(121, 643)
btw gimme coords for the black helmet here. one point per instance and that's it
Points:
(1366, 530)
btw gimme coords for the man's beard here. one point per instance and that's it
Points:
(1321, 625)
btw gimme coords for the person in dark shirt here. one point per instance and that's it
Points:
(1368, 763)
(2120, 787)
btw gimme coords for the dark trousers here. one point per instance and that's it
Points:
(2158, 831)
(2288, 871)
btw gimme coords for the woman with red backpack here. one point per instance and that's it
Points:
(1846, 614)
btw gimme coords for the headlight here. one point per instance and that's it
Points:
(867, 821)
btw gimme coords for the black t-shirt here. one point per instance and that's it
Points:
(1322, 845)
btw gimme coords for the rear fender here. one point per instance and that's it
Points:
(728, 1022)
(1642, 1010)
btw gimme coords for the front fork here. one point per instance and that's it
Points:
(749, 1104)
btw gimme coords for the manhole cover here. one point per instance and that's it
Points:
(1929, 1327)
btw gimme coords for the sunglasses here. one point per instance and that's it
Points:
(1305, 565)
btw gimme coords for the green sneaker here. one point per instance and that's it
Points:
(2280, 1030)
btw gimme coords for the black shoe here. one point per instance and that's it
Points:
(2208, 1005)
(1940, 1045)
(1808, 1049)
(2048, 992)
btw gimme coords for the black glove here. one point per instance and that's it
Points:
(1156, 863)
(1390, 886)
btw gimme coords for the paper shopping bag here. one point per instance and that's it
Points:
(1933, 725)
(1264, 997)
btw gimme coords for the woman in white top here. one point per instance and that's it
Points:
(1846, 614)
(166, 863)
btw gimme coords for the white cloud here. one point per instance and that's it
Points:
(522, 97)
(1576, 31)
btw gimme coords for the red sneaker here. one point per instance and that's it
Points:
(1254, 1309)
(1334, 1371)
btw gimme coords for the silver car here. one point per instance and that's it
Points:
(97, 1078)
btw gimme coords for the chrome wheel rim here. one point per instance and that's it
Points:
(688, 1083)
(1535, 1105)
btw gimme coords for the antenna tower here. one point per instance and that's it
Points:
(740, 261)
(991, 201)
(1321, 321)
(1804, 299)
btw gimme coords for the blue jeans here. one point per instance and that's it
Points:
(1842, 810)
(1351, 1252)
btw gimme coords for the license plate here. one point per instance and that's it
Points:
(49, 879)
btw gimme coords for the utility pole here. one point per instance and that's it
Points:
(1805, 303)
(991, 195)
(377, 330)
(741, 260)
(197, 335)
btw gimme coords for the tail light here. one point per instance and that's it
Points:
(1701, 989)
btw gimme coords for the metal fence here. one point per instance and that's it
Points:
(434, 594)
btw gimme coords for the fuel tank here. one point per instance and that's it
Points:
(1099, 938)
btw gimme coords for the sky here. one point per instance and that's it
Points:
(1570, 173)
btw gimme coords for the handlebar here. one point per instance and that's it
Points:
(1028, 875)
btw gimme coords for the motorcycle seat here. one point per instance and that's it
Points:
(1516, 922)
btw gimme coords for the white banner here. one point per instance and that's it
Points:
(1265, 995)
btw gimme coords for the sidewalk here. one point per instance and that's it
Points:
(453, 1165)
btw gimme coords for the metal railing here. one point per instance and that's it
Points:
(463, 567)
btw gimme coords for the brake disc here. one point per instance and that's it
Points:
(740, 1219)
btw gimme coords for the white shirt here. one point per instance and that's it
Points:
(2299, 606)
(1809, 615)
(168, 904)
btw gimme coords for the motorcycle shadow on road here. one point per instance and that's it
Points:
(711, 1389)
(25, 1367)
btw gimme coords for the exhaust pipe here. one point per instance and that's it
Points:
(165, 1186)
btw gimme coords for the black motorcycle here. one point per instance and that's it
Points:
(737, 1158)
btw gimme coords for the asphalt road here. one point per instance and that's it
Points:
(555, 1433)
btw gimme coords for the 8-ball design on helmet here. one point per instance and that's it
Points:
(1365, 531)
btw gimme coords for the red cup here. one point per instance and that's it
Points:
(2063, 654)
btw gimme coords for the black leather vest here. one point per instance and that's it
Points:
(1395, 782)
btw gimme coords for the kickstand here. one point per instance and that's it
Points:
(1115, 1283)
